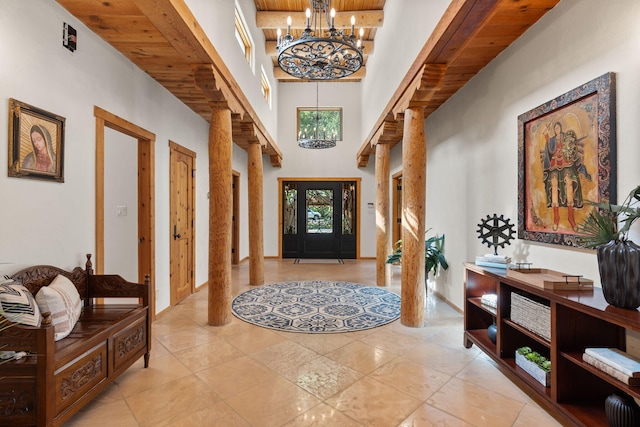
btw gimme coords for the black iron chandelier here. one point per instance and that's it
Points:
(320, 54)
(316, 138)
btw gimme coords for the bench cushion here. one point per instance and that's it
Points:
(18, 305)
(62, 300)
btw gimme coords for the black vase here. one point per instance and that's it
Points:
(622, 411)
(619, 266)
(492, 332)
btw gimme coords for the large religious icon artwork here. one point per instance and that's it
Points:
(36, 143)
(566, 156)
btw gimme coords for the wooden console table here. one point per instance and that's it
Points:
(579, 319)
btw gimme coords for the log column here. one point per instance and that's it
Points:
(220, 216)
(414, 161)
(256, 243)
(383, 152)
(222, 102)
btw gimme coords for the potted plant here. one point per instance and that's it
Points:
(618, 257)
(536, 365)
(433, 254)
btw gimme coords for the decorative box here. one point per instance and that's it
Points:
(531, 315)
(534, 370)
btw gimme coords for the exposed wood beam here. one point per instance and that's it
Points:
(421, 89)
(215, 89)
(278, 19)
(469, 35)
(163, 38)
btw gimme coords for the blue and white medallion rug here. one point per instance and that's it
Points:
(317, 306)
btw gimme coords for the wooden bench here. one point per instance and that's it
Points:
(57, 378)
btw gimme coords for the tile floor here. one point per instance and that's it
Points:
(244, 375)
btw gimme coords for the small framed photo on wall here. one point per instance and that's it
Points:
(36, 143)
(566, 159)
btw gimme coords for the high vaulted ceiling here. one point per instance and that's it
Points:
(164, 39)
(272, 14)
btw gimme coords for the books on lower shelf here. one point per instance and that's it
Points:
(617, 359)
(619, 375)
(490, 300)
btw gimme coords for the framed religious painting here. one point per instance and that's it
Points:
(566, 159)
(36, 143)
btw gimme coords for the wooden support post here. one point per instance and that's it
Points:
(414, 163)
(256, 212)
(220, 216)
(383, 152)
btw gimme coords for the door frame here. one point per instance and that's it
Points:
(146, 190)
(396, 209)
(358, 210)
(235, 223)
(174, 147)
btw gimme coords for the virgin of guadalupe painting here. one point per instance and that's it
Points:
(566, 158)
(36, 145)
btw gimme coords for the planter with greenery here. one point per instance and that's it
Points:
(433, 254)
(536, 365)
(618, 257)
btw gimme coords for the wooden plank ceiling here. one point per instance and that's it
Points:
(272, 14)
(163, 38)
(470, 34)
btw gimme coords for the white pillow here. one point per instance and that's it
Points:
(17, 304)
(62, 300)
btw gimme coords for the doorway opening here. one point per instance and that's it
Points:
(319, 218)
(146, 202)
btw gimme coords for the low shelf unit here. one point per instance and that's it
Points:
(578, 319)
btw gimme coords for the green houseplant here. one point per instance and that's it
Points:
(618, 257)
(433, 254)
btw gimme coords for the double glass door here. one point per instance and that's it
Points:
(319, 219)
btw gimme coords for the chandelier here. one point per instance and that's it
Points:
(316, 138)
(320, 54)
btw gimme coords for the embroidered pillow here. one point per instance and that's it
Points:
(62, 300)
(18, 305)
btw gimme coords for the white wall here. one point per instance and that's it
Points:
(472, 139)
(54, 223)
(217, 20)
(407, 26)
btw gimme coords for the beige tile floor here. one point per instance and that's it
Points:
(244, 375)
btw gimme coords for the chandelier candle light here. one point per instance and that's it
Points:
(320, 54)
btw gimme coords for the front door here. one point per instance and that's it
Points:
(182, 222)
(319, 219)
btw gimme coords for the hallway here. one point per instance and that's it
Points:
(244, 375)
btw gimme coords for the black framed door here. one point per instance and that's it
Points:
(319, 219)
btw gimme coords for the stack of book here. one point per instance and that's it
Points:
(489, 299)
(494, 261)
(614, 362)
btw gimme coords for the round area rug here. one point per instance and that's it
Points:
(317, 306)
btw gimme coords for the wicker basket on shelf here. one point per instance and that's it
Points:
(531, 315)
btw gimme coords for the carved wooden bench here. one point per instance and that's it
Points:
(57, 378)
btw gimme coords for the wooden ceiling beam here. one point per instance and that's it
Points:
(278, 19)
(468, 36)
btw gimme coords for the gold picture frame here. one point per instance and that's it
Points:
(36, 143)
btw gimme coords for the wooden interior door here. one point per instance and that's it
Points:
(182, 186)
